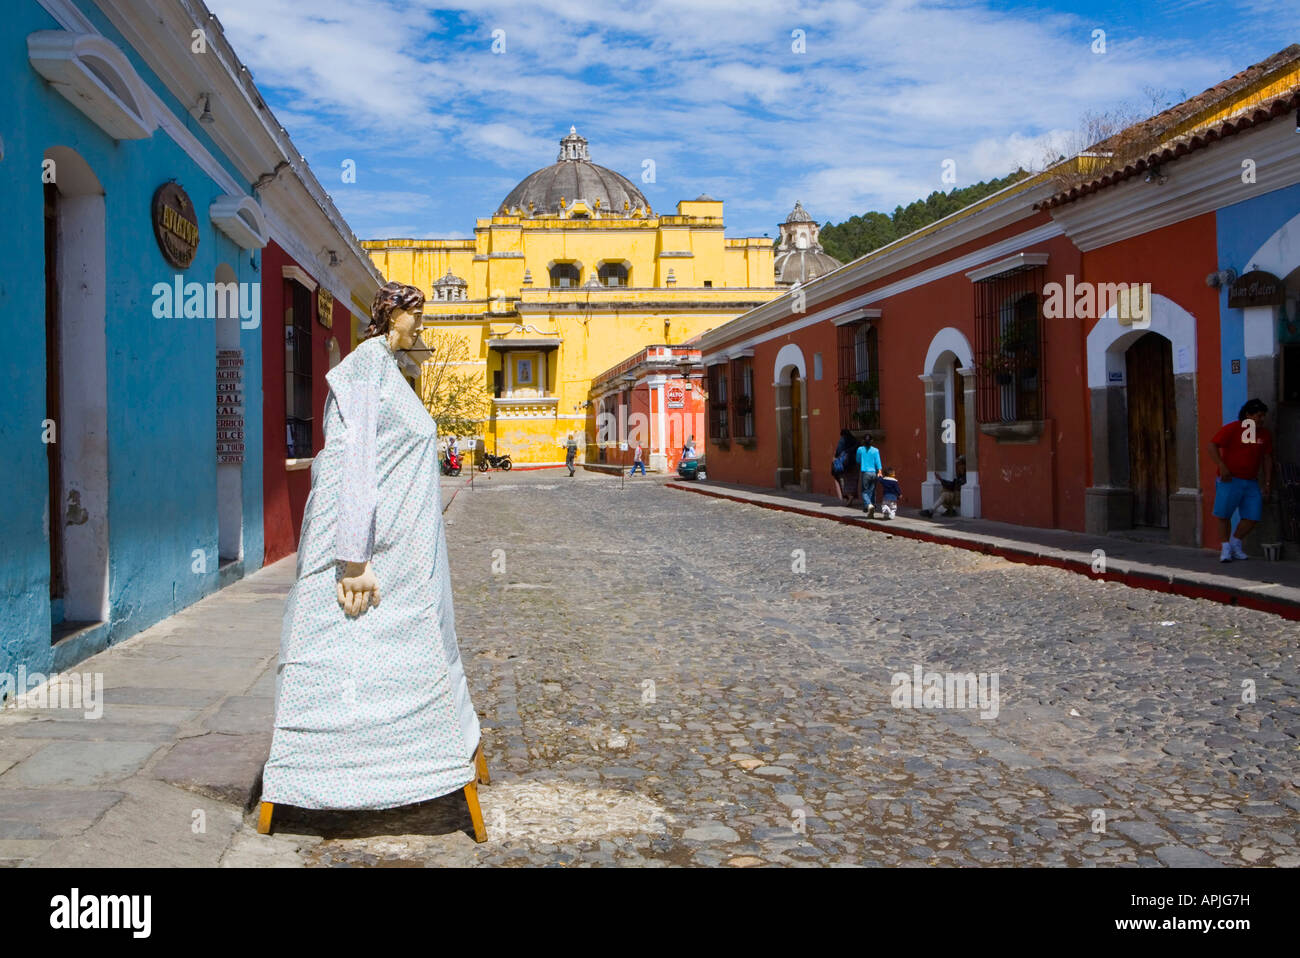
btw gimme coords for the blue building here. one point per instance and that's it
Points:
(140, 177)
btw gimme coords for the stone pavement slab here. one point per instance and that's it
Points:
(181, 733)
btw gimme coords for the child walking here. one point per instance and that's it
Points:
(890, 493)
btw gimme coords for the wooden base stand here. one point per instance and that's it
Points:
(267, 809)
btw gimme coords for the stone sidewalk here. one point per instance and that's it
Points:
(187, 709)
(168, 774)
(1196, 573)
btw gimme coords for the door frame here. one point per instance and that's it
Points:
(949, 345)
(790, 360)
(1108, 500)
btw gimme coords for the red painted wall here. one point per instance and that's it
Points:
(285, 492)
(1175, 261)
(1039, 484)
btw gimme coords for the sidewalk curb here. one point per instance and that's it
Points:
(1174, 584)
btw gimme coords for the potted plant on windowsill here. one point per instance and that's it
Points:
(1001, 365)
(863, 388)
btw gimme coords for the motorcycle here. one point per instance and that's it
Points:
(495, 462)
(450, 465)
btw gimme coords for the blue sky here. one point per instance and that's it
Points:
(441, 128)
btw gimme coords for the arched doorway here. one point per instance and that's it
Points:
(76, 397)
(789, 380)
(1270, 346)
(1144, 454)
(948, 378)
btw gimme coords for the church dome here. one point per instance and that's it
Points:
(799, 254)
(574, 178)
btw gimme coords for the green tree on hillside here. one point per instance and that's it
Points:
(859, 235)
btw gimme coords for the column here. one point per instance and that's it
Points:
(934, 449)
(970, 493)
(659, 457)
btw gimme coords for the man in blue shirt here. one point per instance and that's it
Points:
(869, 465)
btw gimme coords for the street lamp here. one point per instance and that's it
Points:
(686, 366)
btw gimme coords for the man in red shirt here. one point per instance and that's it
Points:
(1238, 450)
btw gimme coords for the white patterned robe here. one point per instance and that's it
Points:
(372, 711)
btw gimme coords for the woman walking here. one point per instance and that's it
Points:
(840, 463)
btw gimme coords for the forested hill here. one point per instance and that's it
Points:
(859, 235)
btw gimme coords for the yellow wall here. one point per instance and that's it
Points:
(599, 326)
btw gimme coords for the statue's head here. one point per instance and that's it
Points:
(392, 298)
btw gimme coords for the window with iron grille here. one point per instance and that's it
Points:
(297, 371)
(718, 403)
(564, 275)
(1009, 345)
(859, 376)
(742, 404)
(612, 274)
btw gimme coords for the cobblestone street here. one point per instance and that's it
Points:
(659, 686)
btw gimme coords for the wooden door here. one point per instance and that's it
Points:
(1151, 420)
(796, 426)
(53, 397)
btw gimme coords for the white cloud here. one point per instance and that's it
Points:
(713, 93)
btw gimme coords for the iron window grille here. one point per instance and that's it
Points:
(1009, 347)
(718, 403)
(564, 275)
(613, 274)
(858, 384)
(297, 372)
(742, 405)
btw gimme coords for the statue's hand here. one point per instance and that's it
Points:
(358, 588)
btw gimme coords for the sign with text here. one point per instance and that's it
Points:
(1256, 288)
(324, 307)
(175, 224)
(230, 406)
(676, 394)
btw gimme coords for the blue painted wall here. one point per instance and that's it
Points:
(1242, 229)
(161, 389)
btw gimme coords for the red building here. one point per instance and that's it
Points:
(307, 330)
(654, 397)
(1073, 336)
(935, 345)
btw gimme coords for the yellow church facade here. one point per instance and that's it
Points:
(572, 274)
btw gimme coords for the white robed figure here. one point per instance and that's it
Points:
(372, 707)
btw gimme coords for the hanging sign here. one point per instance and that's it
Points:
(1256, 288)
(324, 307)
(230, 406)
(175, 224)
